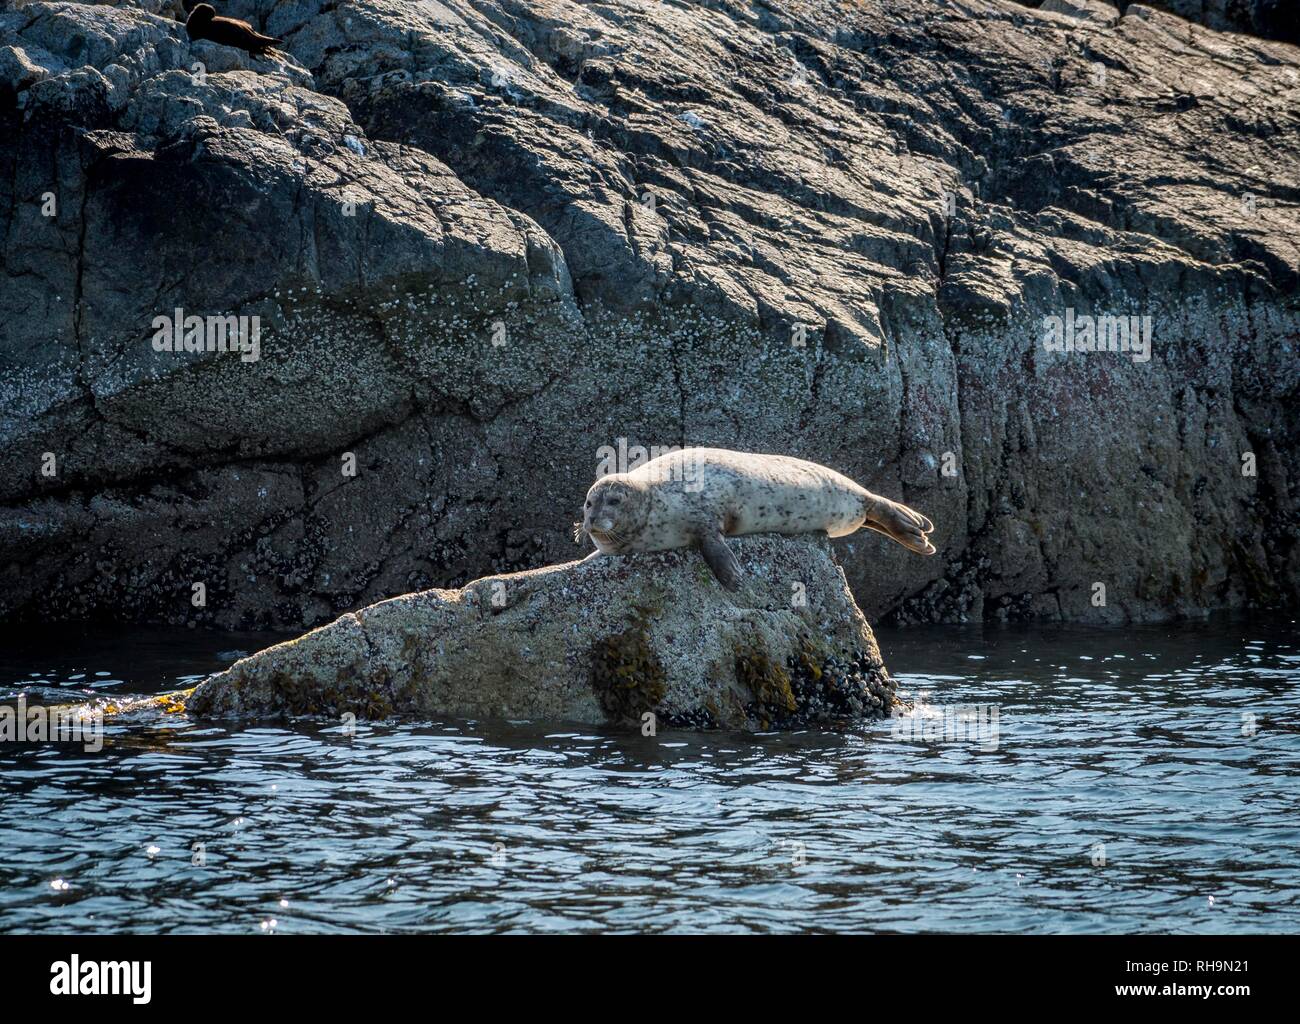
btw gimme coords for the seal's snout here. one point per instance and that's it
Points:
(603, 541)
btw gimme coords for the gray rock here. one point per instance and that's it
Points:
(559, 224)
(1100, 11)
(600, 640)
(1272, 19)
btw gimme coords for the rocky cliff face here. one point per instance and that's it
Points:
(486, 240)
(1271, 19)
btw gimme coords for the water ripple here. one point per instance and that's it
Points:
(1134, 775)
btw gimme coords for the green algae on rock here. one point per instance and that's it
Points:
(602, 640)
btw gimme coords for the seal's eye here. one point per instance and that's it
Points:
(587, 505)
(613, 501)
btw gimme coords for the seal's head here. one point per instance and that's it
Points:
(200, 18)
(615, 512)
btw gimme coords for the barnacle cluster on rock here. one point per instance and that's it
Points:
(815, 687)
(365, 695)
(704, 718)
(812, 687)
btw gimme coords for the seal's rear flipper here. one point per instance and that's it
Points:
(900, 523)
(722, 560)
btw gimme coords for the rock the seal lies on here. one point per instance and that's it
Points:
(648, 640)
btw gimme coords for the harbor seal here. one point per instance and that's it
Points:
(699, 496)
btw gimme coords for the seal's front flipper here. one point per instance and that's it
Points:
(722, 560)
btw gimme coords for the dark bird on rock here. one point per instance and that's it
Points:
(204, 23)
